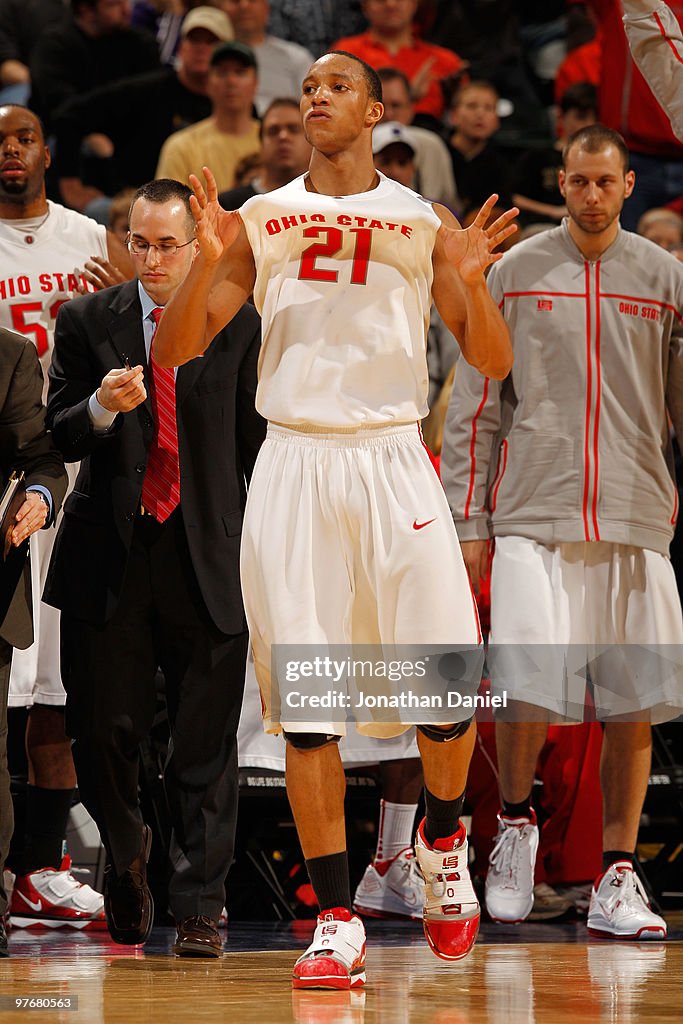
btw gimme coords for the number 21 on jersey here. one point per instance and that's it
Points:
(332, 244)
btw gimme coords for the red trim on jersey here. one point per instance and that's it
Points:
(473, 442)
(589, 389)
(651, 302)
(498, 479)
(559, 295)
(598, 394)
(674, 517)
(662, 32)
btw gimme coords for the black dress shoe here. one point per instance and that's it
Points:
(198, 936)
(4, 948)
(128, 903)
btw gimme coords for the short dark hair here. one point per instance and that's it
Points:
(279, 101)
(476, 83)
(372, 79)
(393, 75)
(593, 139)
(161, 191)
(22, 106)
(581, 96)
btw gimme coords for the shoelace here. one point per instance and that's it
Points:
(203, 921)
(412, 870)
(630, 893)
(506, 855)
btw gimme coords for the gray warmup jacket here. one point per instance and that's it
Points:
(656, 43)
(575, 444)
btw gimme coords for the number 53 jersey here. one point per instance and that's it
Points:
(39, 260)
(343, 285)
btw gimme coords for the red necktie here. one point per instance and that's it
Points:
(161, 486)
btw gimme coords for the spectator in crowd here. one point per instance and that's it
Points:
(285, 153)
(664, 228)
(315, 23)
(390, 42)
(118, 214)
(433, 168)
(22, 24)
(487, 36)
(535, 177)
(92, 47)
(282, 66)
(230, 133)
(164, 101)
(163, 19)
(479, 167)
(656, 153)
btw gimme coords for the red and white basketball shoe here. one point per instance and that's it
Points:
(619, 908)
(451, 913)
(336, 956)
(391, 888)
(53, 898)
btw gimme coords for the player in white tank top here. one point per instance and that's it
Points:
(347, 536)
(45, 252)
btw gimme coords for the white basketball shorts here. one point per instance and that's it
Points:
(348, 539)
(565, 614)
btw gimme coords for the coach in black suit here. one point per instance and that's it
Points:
(142, 583)
(24, 445)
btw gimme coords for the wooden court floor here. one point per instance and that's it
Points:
(501, 982)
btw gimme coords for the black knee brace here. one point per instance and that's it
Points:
(433, 732)
(309, 740)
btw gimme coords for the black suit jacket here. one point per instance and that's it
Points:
(219, 434)
(24, 445)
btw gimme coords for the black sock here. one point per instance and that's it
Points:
(329, 877)
(47, 812)
(520, 810)
(442, 816)
(610, 857)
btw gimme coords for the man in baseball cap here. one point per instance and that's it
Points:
(394, 152)
(211, 20)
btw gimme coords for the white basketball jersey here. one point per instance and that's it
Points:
(343, 284)
(37, 270)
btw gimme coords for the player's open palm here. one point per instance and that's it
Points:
(473, 250)
(216, 228)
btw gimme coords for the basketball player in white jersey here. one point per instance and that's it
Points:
(42, 245)
(347, 536)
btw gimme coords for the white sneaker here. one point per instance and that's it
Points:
(52, 898)
(336, 956)
(510, 878)
(391, 888)
(451, 911)
(619, 907)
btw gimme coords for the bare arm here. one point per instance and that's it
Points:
(220, 280)
(459, 289)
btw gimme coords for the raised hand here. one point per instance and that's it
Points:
(472, 250)
(216, 228)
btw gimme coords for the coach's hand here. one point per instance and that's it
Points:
(122, 390)
(30, 518)
(475, 554)
(472, 250)
(216, 228)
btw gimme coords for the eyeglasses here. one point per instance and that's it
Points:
(140, 248)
